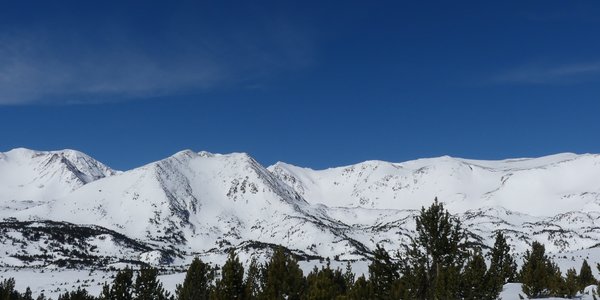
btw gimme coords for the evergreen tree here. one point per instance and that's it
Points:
(570, 284)
(122, 287)
(400, 289)
(319, 285)
(383, 272)
(473, 279)
(585, 275)
(105, 294)
(557, 282)
(503, 268)
(539, 275)
(28, 295)
(148, 287)
(79, 294)
(283, 277)
(340, 281)
(7, 290)
(198, 282)
(598, 288)
(325, 283)
(231, 284)
(436, 255)
(360, 290)
(349, 276)
(253, 285)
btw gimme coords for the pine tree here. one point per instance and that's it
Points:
(383, 272)
(538, 273)
(503, 268)
(105, 294)
(360, 290)
(198, 282)
(231, 284)
(122, 286)
(557, 284)
(349, 276)
(598, 288)
(253, 285)
(340, 281)
(570, 284)
(320, 285)
(436, 255)
(585, 275)
(148, 287)
(79, 294)
(7, 290)
(325, 283)
(28, 295)
(473, 278)
(283, 277)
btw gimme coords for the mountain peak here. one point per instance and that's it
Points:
(205, 154)
(20, 153)
(30, 175)
(186, 154)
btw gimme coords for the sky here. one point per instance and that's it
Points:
(312, 83)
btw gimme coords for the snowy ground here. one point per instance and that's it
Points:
(513, 291)
(53, 282)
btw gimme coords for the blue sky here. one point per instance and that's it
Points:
(311, 83)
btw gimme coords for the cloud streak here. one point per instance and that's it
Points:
(551, 74)
(34, 72)
(42, 67)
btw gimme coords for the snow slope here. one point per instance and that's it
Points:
(543, 186)
(28, 177)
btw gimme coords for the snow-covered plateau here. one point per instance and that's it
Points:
(63, 210)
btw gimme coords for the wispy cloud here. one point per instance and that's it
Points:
(551, 74)
(41, 67)
(32, 71)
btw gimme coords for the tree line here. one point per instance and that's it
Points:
(439, 263)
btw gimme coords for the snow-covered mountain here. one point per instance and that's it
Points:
(542, 186)
(198, 202)
(29, 178)
(202, 203)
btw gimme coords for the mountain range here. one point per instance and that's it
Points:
(64, 208)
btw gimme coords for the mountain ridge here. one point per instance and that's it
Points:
(463, 184)
(198, 202)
